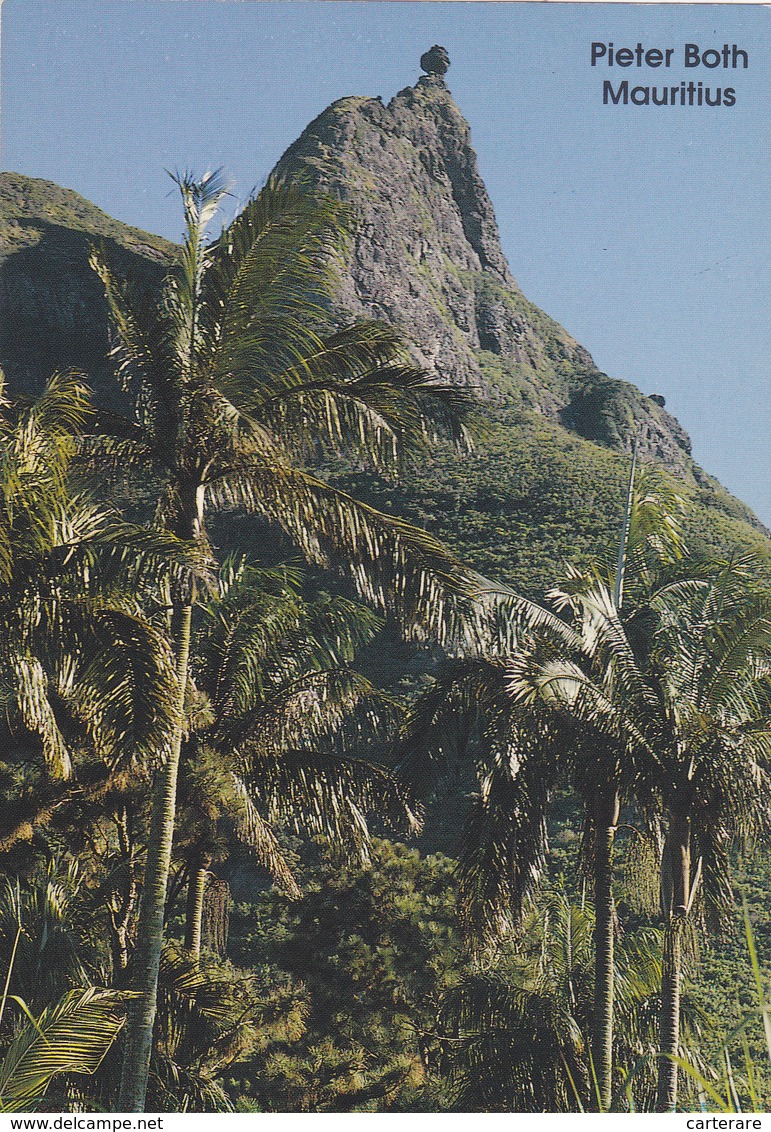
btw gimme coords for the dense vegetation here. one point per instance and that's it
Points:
(207, 787)
(532, 497)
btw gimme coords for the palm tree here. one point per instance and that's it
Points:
(712, 740)
(689, 704)
(649, 563)
(80, 668)
(524, 750)
(532, 739)
(282, 713)
(599, 767)
(234, 379)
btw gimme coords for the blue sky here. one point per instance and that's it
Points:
(643, 230)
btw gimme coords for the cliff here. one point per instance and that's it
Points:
(52, 309)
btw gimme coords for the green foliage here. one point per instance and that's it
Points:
(374, 949)
(71, 1035)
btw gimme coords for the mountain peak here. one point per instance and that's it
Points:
(426, 255)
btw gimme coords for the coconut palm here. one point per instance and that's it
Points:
(234, 380)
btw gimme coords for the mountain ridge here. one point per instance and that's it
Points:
(52, 309)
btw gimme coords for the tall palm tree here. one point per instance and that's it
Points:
(532, 739)
(597, 764)
(712, 738)
(233, 380)
(649, 562)
(690, 706)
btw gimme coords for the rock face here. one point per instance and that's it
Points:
(52, 309)
(427, 256)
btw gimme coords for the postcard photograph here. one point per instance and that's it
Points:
(385, 565)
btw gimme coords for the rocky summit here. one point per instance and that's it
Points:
(427, 256)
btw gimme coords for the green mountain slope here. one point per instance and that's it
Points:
(533, 497)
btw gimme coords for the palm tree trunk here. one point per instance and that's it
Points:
(606, 819)
(147, 958)
(121, 911)
(196, 888)
(678, 851)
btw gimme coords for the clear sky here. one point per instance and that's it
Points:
(643, 230)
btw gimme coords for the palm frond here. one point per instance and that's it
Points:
(319, 793)
(394, 566)
(32, 688)
(140, 353)
(64, 407)
(70, 1036)
(201, 198)
(358, 394)
(126, 690)
(745, 639)
(253, 830)
(271, 274)
(332, 707)
(514, 615)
